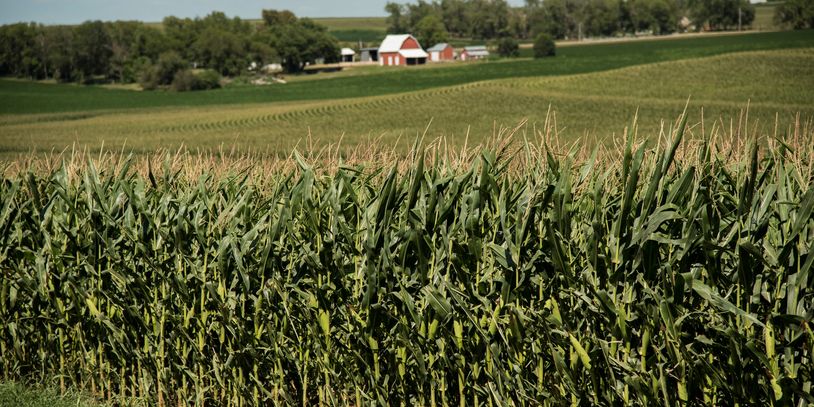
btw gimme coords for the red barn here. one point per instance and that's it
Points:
(441, 52)
(401, 50)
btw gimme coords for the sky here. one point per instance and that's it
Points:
(77, 11)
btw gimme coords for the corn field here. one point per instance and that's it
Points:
(675, 273)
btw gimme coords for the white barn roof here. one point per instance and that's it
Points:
(393, 43)
(348, 52)
(414, 53)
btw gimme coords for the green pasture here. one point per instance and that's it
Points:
(26, 98)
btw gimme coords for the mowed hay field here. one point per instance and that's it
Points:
(592, 106)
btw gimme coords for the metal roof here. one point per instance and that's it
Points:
(348, 51)
(393, 43)
(438, 47)
(477, 51)
(413, 53)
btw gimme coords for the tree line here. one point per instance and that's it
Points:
(130, 51)
(563, 19)
(796, 14)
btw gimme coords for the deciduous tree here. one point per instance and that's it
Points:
(395, 18)
(797, 14)
(430, 31)
(722, 14)
(508, 47)
(299, 42)
(93, 49)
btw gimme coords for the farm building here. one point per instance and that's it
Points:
(441, 52)
(474, 52)
(401, 50)
(347, 55)
(369, 54)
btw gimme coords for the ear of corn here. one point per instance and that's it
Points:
(661, 279)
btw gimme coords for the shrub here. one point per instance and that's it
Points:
(134, 69)
(184, 81)
(188, 80)
(164, 71)
(169, 63)
(148, 78)
(544, 46)
(508, 47)
(209, 79)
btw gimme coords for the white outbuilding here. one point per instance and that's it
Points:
(348, 55)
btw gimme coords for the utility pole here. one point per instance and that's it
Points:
(740, 18)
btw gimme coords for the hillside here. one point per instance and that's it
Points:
(592, 105)
(18, 97)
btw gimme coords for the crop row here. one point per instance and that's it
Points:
(654, 281)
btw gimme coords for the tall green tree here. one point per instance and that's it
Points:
(396, 23)
(92, 46)
(663, 16)
(273, 18)
(517, 25)
(298, 42)
(21, 51)
(722, 14)
(797, 14)
(181, 33)
(416, 12)
(488, 18)
(223, 51)
(454, 16)
(132, 42)
(557, 18)
(60, 55)
(430, 31)
(599, 18)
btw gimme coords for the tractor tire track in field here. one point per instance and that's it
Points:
(259, 120)
(527, 86)
(382, 102)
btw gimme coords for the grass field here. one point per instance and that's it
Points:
(770, 82)
(25, 97)
(16, 395)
